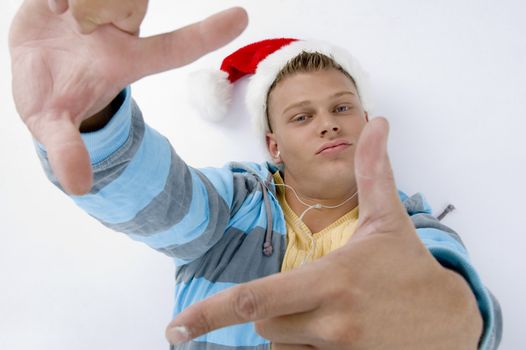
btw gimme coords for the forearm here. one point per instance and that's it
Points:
(141, 187)
(448, 249)
(131, 165)
(455, 258)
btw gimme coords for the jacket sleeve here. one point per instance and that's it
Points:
(144, 189)
(447, 247)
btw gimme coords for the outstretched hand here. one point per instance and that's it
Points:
(62, 77)
(382, 290)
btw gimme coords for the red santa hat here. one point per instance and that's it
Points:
(211, 91)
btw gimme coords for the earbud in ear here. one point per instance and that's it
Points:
(277, 154)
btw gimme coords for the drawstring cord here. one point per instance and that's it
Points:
(267, 245)
(446, 211)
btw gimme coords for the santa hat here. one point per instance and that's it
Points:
(211, 91)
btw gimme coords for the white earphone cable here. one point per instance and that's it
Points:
(309, 207)
(317, 205)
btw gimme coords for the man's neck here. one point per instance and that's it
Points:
(318, 219)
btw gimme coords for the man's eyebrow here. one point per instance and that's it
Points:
(297, 104)
(338, 94)
(307, 102)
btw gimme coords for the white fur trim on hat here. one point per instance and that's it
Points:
(210, 93)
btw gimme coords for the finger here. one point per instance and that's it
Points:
(92, 15)
(87, 26)
(256, 300)
(131, 23)
(300, 328)
(58, 6)
(171, 50)
(88, 17)
(374, 177)
(66, 152)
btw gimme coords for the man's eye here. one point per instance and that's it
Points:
(300, 118)
(343, 108)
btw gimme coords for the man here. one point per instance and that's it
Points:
(356, 297)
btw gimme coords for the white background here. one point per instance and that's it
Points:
(450, 77)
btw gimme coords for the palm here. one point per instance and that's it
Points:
(61, 77)
(57, 71)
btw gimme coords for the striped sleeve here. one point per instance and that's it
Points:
(447, 247)
(144, 189)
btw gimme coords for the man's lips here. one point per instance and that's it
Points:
(333, 146)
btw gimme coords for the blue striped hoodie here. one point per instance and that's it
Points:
(216, 222)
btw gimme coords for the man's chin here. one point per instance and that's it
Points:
(339, 164)
(337, 172)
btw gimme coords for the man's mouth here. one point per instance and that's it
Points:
(332, 147)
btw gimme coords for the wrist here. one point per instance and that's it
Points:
(107, 140)
(102, 118)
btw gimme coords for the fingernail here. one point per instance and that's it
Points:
(179, 335)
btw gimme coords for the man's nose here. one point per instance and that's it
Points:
(328, 124)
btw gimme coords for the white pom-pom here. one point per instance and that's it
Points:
(210, 93)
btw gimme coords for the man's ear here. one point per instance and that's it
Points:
(272, 147)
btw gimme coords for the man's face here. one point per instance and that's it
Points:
(316, 120)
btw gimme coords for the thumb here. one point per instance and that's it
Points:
(377, 190)
(58, 6)
(175, 49)
(67, 154)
